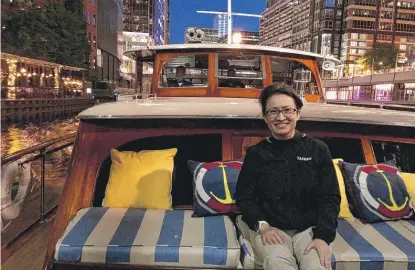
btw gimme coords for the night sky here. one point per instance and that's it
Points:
(183, 14)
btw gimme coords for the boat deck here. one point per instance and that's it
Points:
(29, 252)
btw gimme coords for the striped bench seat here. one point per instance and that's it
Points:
(149, 237)
(379, 246)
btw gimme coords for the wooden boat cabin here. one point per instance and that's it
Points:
(152, 179)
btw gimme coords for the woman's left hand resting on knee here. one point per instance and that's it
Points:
(323, 251)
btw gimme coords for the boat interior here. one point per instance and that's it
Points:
(185, 143)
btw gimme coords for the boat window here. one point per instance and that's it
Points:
(402, 154)
(185, 71)
(294, 74)
(240, 70)
(348, 149)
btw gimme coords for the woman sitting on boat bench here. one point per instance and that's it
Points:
(287, 189)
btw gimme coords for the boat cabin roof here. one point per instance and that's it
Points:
(239, 108)
(148, 53)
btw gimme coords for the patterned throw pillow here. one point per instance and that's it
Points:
(214, 187)
(377, 192)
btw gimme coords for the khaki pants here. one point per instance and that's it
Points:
(289, 255)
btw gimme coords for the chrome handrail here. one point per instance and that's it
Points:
(40, 151)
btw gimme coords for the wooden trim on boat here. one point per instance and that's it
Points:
(268, 71)
(227, 145)
(238, 92)
(368, 151)
(212, 80)
(156, 70)
(317, 77)
(183, 92)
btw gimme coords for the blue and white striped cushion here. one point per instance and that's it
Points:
(149, 237)
(378, 246)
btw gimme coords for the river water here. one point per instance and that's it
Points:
(19, 137)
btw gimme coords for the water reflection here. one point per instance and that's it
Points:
(19, 137)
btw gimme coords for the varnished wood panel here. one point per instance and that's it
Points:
(183, 92)
(227, 153)
(268, 71)
(316, 72)
(212, 80)
(248, 141)
(368, 151)
(312, 97)
(238, 92)
(156, 74)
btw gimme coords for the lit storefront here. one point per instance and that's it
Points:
(382, 92)
(409, 92)
(23, 77)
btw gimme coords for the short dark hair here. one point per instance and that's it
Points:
(181, 67)
(279, 89)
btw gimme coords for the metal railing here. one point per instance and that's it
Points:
(34, 153)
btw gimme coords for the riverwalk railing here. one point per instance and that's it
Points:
(20, 110)
(397, 106)
(48, 163)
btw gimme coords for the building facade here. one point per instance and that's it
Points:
(209, 35)
(109, 39)
(242, 37)
(345, 29)
(147, 16)
(220, 23)
(310, 25)
(369, 22)
(90, 12)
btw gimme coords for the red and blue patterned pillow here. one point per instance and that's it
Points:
(214, 187)
(377, 192)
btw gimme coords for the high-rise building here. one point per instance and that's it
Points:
(147, 16)
(270, 3)
(90, 12)
(369, 22)
(220, 23)
(345, 29)
(309, 25)
(109, 37)
(209, 35)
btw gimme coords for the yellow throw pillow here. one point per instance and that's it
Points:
(409, 180)
(344, 203)
(140, 179)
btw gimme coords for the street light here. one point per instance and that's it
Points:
(237, 38)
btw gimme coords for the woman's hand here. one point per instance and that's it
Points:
(271, 235)
(323, 251)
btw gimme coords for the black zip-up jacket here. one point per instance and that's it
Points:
(291, 184)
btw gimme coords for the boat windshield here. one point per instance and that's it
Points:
(293, 73)
(185, 71)
(240, 70)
